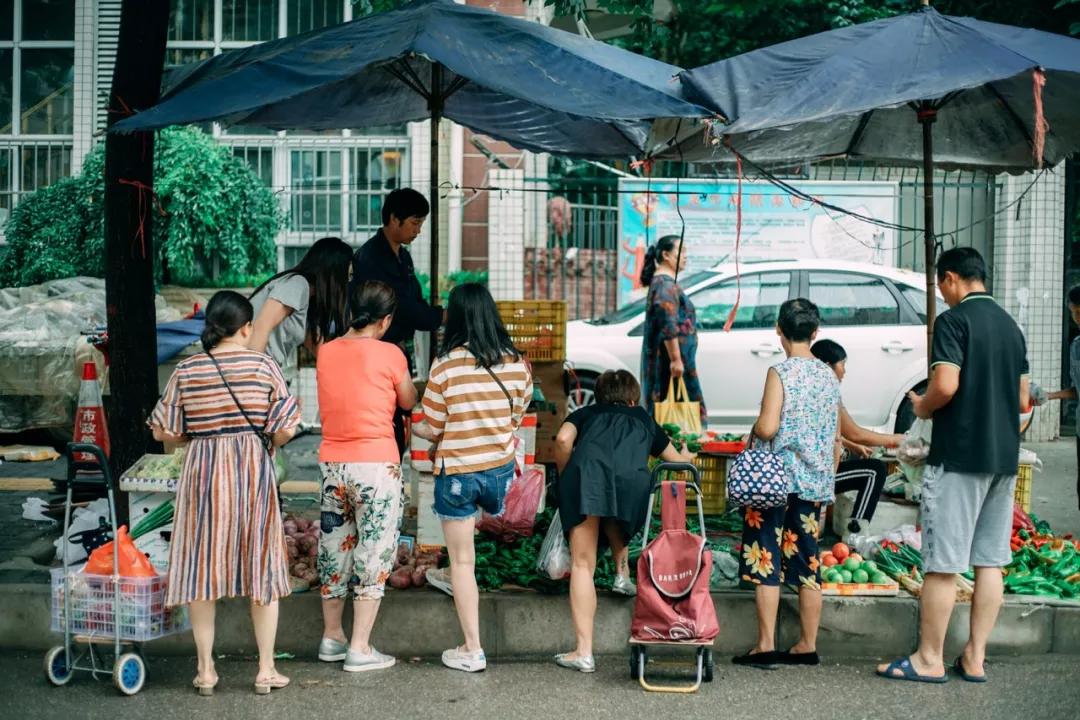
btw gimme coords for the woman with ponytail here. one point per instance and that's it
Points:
(670, 340)
(232, 406)
(362, 383)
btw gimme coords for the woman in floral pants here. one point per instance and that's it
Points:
(362, 381)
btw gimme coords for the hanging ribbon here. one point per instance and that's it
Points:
(143, 205)
(1041, 127)
(738, 238)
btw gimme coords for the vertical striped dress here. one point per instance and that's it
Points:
(228, 539)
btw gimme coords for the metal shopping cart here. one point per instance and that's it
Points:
(95, 612)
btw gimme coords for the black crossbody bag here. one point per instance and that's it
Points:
(266, 440)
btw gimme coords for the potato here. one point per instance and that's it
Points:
(290, 527)
(400, 579)
(419, 577)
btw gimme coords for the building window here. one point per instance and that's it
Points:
(37, 67)
(249, 20)
(316, 190)
(305, 15)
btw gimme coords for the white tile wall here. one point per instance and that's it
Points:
(1027, 271)
(506, 235)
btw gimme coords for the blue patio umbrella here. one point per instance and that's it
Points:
(535, 87)
(919, 88)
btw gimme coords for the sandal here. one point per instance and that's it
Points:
(275, 682)
(958, 666)
(908, 673)
(205, 688)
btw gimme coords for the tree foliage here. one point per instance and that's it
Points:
(214, 221)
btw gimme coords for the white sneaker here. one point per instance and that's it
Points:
(361, 662)
(459, 659)
(440, 580)
(624, 586)
(332, 650)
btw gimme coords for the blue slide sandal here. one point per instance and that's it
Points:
(908, 673)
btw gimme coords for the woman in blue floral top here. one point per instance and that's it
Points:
(800, 416)
(669, 348)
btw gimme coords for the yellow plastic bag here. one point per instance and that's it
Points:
(685, 413)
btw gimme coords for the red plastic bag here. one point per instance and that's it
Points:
(522, 504)
(132, 562)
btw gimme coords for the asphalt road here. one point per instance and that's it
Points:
(1043, 688)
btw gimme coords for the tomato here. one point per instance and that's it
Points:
(829, 560)
(840, 551)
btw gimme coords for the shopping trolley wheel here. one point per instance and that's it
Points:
(707, 665)
(129, 673)
(56, 666)
(637, 661)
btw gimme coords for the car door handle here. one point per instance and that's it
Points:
(896, 347)
(767, 350)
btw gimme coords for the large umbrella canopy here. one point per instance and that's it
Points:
(919, 88)
(535, 87)
(856, 92)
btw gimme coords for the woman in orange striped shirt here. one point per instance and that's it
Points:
(477, 394)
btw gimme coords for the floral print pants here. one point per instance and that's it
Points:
(781, 545)
(362, 506)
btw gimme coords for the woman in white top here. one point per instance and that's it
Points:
(304, 305)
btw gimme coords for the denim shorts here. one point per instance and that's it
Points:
(459, 497)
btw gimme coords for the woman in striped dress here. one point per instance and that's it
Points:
(228, 541)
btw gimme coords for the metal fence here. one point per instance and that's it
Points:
(572, 236)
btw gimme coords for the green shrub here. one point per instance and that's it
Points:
(217, 224)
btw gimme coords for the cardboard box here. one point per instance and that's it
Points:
(552, 380)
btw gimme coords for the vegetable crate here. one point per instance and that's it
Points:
(713, 472)
(537, 327)
(1023, 487)
(853, 589)
(139, 616)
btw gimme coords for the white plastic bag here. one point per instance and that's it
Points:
(554, 559)
(34, 509)
(88, 518)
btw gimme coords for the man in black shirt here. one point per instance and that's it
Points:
(978, 384)
(385, 258)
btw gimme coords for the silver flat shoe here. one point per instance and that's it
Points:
(585, 664)
(332, 650)
(624, 586)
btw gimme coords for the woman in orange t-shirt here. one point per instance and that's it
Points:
(362, 381)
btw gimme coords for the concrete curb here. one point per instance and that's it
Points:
(422, 623)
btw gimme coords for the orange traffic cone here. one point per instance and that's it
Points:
(90, 424)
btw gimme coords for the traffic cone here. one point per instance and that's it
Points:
(90, 426)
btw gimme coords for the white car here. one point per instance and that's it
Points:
(878, 314)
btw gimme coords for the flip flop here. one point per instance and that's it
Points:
(908, 673)
(958, 666)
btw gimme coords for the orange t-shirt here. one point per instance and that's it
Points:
(358, 379)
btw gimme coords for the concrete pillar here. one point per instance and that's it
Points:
(506, 235)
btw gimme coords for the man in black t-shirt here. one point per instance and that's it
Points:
(385, 257)
(978, 384)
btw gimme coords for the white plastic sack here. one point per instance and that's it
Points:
(87, 518)
(1028, 457)
(34, 509)
(554, 559)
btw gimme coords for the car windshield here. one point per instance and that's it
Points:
(917, 298)
(632, 310)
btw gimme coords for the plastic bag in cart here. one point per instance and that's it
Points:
(520, 507)
(89, 518)
(554, 559)
(132, 563)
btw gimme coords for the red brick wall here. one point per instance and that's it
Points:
(474, 230)
(586, 280)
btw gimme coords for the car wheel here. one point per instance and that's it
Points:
(582, 391)
(905, 414)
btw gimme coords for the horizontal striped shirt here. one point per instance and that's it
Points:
(469, 415)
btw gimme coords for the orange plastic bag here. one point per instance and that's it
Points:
(132, 562)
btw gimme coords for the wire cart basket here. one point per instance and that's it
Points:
(95, 612)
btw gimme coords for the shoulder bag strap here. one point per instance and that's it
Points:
(263, 437)
(502, 387)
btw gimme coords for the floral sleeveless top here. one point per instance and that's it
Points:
(808, 427)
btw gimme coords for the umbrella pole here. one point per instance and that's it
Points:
(436, 103)
(927, 115)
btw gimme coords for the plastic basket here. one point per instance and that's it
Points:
(1023, 487)
(141, 612)
(537, 327)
